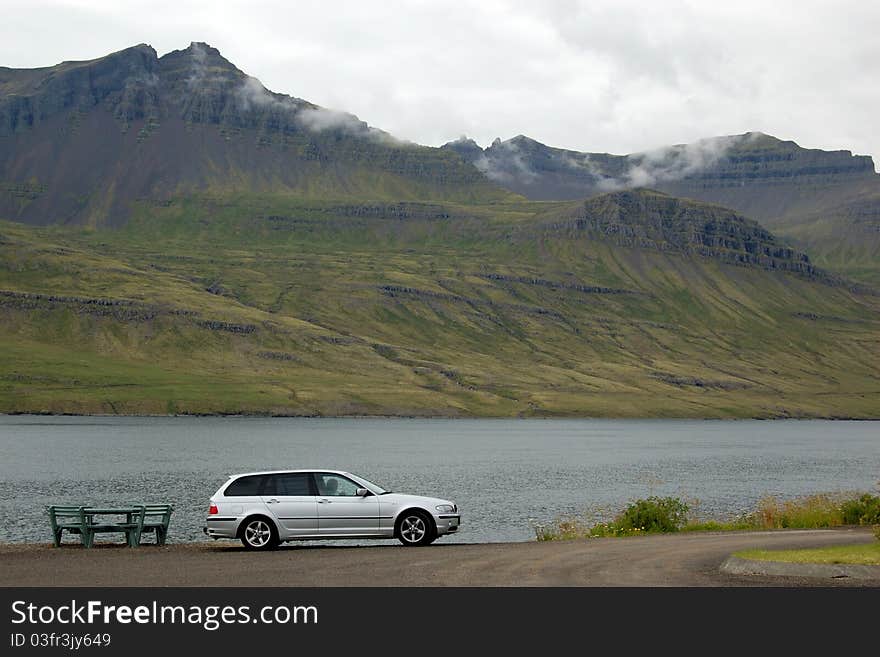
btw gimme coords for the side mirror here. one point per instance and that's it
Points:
(362, 492)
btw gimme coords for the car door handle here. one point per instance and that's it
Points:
(272, 501)
(323, 501)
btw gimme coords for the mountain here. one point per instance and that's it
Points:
(826, 202)
(85, 142)
(761, 176)
(630, 304)
(174, 238)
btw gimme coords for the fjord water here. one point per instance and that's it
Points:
(506, 475)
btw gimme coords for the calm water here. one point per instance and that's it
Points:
(505, 474)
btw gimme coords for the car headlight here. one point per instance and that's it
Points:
(445, 508)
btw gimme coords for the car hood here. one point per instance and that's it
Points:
(414, 500)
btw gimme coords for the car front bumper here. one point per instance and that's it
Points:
(447, 523)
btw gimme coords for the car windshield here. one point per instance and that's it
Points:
(366, 483)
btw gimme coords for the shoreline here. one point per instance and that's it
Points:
(762, 418)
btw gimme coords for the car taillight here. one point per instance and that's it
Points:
(212, 510)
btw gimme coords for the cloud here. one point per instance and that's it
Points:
(319, 119)
(603, 181)
(252, 95)
(197, 64)
(675, 162)
(506, 162)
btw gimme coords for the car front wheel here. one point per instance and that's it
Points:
(258, 534)
(415, 529)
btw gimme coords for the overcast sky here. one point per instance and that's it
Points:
(617, 76)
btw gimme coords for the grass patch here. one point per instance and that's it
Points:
(739, 524)
(670, 514)
(802, 513)
(868, 555)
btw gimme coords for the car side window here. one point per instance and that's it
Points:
(334, 485)
(245, 486)
(270, 485)
(294, 483)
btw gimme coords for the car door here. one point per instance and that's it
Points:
(290, 498)
(341, 511)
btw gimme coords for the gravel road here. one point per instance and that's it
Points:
(662, 560)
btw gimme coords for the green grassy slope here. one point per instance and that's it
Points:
(843, 237)
(274, 304)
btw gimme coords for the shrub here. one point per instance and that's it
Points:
(803, 513)
(862, 511)
(645, 516)
(669, 514)
(652, 515)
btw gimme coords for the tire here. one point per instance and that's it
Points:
(415, 528)
(258, 533)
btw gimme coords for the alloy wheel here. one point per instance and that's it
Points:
(258, 534)
(413, 529)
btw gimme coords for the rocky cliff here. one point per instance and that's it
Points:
(81, 142)
(652, 220)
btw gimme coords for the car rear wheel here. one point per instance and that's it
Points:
(259, 534)
(414, 529)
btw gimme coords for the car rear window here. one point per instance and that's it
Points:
(244, 486)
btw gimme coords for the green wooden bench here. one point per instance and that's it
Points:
(98, 523)
(70, 518)
(155, 518)
(87, 521)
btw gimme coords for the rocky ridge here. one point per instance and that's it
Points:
(652, 220)
(759, 175)
(84, 142)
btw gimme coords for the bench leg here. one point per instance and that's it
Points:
(56, 535)
(160, 535)
(134, 537)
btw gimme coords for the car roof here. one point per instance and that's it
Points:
(266, 472)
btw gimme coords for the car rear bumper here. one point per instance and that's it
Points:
(215, 527)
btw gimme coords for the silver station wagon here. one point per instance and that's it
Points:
(264, 509)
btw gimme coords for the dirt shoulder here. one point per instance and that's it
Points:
(662, 560)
